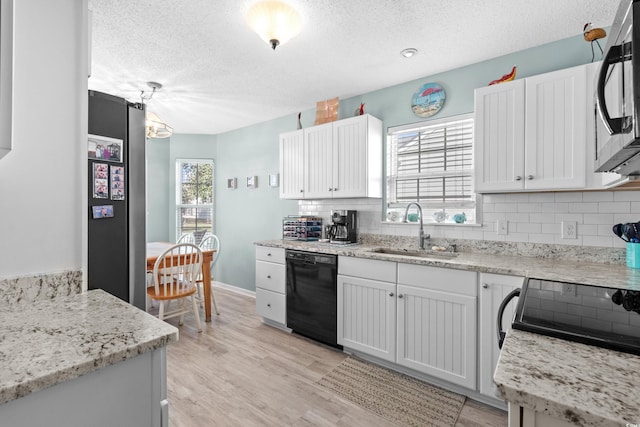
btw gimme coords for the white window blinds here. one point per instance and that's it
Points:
(431, 163)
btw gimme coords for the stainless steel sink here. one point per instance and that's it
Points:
(417, 254)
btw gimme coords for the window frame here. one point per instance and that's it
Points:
(178, 194)
(471, 207)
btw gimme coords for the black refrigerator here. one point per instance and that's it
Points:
(117, 198)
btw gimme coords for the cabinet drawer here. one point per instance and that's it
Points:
(265, 253)
(271, 305)
(270, 276)
(384, 271)
(438, 279)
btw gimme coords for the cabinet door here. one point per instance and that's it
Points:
(350, 157)
(493, 289)
(318, 173)
(292, 165)
(367, 316)
(437, 334)
(555, 139)
(499, 137)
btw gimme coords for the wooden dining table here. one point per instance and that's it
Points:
(155, 249)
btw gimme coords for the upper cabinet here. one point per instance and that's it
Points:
(341, 159)
(531, 134)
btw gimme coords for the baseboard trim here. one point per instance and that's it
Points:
(235, 289)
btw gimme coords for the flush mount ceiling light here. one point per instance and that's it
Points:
(408, 52)
(154, 125)
(274, 21)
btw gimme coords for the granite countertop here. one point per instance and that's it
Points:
(591, 273)
(52, 341)
(581, 384)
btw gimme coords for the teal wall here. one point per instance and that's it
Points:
(244, 216)
(158, 190)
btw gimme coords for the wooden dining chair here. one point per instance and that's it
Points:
(209, 242)
(174, 279)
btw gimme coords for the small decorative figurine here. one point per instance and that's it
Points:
(299, 122)
(505, 78)
(592, 35)
(460, 218)
(359, 111)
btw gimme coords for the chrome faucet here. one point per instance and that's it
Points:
(421, 236)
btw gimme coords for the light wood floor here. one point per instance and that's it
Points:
(240, 372)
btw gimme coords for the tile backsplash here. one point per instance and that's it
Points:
(532, 217)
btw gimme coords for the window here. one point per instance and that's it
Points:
(194, 197)
(432, 163)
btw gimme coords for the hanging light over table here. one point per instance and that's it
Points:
(274, 21)
(156, 127)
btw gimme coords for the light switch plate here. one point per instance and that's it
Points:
(502, 227)
(569, 230)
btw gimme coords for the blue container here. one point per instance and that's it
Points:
(633, 255)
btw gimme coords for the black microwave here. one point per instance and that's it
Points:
(617, 95)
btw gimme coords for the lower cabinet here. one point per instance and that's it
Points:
(423, 318)
(271, 302)
(437, 322)
(367, 316)
(493, 289)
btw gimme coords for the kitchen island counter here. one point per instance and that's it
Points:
(49, 342)
(579, 384)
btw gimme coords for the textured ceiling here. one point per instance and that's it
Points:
(218, 75)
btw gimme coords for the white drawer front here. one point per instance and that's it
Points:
(270, 276)
(271, 305)
(438, 279)
(265, 253)
(384, 271)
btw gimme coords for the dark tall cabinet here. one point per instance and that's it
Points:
(117, 244)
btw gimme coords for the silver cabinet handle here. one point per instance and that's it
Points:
(484, 285)
(335, 189)
(330, 189)
(269, 254)
(529, 177)
(268, 276)
(390, 294)
(399, 295)
(302, 191)
(268, 305)
(518, 178)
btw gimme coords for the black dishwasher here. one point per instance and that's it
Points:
(312, 301)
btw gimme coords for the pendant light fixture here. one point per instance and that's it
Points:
(155, 127)
(274, 21)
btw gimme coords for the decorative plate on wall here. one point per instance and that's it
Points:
(428, 100)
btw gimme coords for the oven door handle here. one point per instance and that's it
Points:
(503, 305)
(614, 55)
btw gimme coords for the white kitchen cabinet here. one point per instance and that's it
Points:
(271, 302)
(318, 162)
(437, 322)
(530, 134)
(341, 159)
(367, 306)
(493, 289)
(292, 165)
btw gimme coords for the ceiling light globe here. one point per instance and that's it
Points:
(275, 22)
(409, 52)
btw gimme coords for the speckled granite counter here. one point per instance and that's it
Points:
(592, 273)
(580, 384)
(51, 341)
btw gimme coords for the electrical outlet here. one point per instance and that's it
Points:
(569, 230)
(502, 226)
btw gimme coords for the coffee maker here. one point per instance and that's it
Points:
(344, 225)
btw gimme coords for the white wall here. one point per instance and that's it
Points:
(41, 190)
